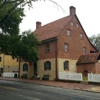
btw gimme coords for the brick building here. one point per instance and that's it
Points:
(89, 63)
(63, 42)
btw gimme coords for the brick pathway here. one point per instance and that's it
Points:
(79, 86)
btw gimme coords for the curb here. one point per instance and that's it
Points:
(87, 90)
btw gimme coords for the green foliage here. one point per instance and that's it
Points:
(23, 46)
(95, 40)
(10, 17)
(11, 43)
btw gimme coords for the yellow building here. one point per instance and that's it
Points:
(8, 64)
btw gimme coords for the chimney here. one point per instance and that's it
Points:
(72, 10)
(38, 25)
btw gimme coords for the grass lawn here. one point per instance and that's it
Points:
(85, 78)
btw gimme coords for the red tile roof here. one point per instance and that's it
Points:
(86, 59)
(52, 29)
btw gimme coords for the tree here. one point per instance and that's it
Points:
(9, 7)
(95, 40)
(11, 42)
(23, 46)
(28, 46)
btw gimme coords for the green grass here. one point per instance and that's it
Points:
(85, 78)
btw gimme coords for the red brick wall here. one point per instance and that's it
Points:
(91, 68)
(75, 43)
(43, 54)
(98, 68)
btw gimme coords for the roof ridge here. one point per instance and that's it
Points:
(52, 29)
(54, 21)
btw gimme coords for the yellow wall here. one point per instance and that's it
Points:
(9, 64)
(72, 65)
(52, 72)
(41, 71)
(30, 72)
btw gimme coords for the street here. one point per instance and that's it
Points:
(10, 90)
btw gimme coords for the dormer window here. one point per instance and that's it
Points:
(71, 24)
(77, 25)
(68, 32)
(81, 35)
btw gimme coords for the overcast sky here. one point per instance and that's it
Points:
(88, 12)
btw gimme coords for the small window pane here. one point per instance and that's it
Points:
(81, 35)
(84, 50)
(66, 47)
(68, 32)
(25, 67)
(66, 65)
(47, 48)
(71, 24)
(77, 25)
(17, 59)
(47, 65)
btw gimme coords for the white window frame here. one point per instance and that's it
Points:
(84, 50)
(68, 32)
(66, 47)
(81, 35)
(71, 23)
(77, 25)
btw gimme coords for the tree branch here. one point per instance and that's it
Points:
(9, 12)
(3, 4)
(57, 5)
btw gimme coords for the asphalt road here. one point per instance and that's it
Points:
(10, 90)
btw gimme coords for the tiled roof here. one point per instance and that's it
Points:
(86, 59)
(52, 29)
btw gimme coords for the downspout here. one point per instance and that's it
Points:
(56, 60)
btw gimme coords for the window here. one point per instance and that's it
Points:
(68, 32)
(66, 65)
(81, 35)
(47, 65)
(77, 25)
(66, 47)
(47, 48)
(17, 59)
(71, 24)
(25, 67)
(84, 50)
(0, 59)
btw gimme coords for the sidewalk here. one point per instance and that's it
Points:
(78, 86)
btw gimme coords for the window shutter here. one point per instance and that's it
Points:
(64, 65)
(50, 66)
(44, 65)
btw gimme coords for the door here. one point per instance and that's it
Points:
(35, 68)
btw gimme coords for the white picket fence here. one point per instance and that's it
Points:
(9, 74)
(70, 76)
(93, 77)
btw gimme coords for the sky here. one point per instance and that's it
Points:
(87, 11)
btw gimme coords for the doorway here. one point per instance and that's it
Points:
(35, 68)
(85, 73)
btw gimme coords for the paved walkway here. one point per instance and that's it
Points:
(78, 86)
